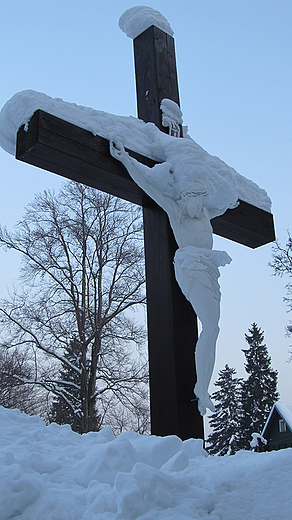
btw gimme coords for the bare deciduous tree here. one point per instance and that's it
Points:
(282, 265)
(82, 278)
(14, 370)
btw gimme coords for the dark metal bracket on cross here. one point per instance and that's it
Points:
(63, 148)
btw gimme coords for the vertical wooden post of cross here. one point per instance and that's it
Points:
(172, 323)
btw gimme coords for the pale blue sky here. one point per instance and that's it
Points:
(234, 62)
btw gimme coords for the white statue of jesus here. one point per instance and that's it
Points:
(195, 263)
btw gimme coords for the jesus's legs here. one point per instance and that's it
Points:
(207, 308)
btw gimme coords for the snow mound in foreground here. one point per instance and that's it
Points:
(50, 472)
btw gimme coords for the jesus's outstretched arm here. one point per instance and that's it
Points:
(140, 173)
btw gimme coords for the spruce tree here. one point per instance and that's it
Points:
(66, 406)
(259, 391)
(225, 420)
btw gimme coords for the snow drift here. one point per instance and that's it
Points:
(52, 473)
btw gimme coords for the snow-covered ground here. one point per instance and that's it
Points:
(51, 473)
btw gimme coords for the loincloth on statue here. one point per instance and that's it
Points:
(195, 264)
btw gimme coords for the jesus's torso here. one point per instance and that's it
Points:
(195, 232)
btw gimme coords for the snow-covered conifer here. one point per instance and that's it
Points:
(225, 420)
(259, 391)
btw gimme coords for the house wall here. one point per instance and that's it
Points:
(277, 440)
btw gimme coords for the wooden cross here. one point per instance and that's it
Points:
(63, 148)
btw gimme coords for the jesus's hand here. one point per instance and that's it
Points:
(117, 151)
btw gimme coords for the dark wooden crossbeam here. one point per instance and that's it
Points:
(60, 147)
(68, 150)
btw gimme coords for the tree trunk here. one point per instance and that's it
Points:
(92, 384)
(84, 393)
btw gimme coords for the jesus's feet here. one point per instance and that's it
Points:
(209, 404)
(204, 401)
(201, 408)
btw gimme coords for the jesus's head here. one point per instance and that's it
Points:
(191, 200)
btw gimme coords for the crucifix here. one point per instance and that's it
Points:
(58, 146)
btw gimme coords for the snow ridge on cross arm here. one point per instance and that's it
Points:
(185, 155)
(136, 20)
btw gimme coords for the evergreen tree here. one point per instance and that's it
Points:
(68, 395)
(225, 420)
(259, 391)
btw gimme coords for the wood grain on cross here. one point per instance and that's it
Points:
(63, 148)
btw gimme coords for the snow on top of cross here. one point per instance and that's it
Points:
(185, 155)
(136, 20)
